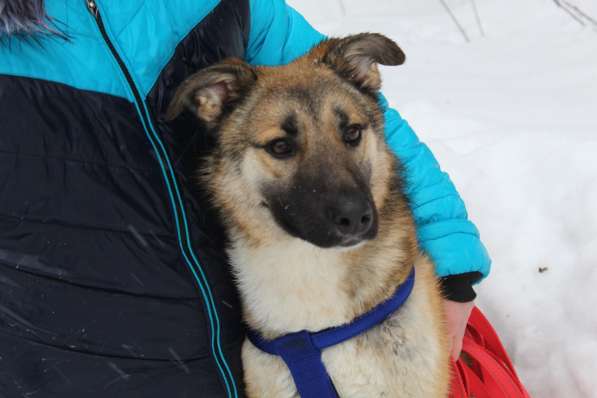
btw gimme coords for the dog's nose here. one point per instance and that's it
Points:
(352, 215)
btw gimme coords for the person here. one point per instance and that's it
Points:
(113, 276)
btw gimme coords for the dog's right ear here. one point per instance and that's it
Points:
(356, 57)
(207, 92)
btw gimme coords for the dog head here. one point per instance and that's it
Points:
(301, 148)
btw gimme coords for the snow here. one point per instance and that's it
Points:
(512, 116)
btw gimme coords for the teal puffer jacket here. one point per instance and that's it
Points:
(113, 277)
(277, 35)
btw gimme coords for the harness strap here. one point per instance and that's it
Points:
(301, 351)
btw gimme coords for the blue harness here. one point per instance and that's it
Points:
(301, 351)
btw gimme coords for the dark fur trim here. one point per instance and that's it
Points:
(23, 17)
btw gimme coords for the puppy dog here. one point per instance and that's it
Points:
(320, 230)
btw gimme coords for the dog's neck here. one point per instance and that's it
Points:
(288, 284)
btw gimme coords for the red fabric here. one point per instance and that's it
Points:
(489, 373)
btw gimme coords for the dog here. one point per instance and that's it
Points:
(320, 229)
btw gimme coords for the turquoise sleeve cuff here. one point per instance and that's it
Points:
(458, 253)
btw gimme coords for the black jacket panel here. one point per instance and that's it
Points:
(96, 298)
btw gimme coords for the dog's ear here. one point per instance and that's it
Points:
(208, 92)
(356, 57)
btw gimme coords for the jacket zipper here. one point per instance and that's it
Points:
(218, 356)
(92, 6)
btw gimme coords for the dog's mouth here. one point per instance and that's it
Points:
(352, 243)
(322, 230)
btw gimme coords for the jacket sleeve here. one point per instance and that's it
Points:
(443, 227)
(278, 35)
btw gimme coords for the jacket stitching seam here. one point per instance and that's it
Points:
(22, 218)
(85, 352)
(52, 278)
(88, 162)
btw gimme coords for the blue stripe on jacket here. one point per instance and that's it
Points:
(147, 32)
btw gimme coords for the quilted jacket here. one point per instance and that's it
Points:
(113, 276)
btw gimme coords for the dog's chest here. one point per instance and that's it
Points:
(398, 358)
(298, 288)
(292, 288)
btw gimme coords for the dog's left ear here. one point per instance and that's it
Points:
(356, 57)
(207, 92)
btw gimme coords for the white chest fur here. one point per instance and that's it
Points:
(299, 287)
(292, 286)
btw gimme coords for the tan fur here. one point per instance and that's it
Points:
(288, 284)
(209, 105)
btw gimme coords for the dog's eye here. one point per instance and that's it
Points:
(280, 148)
(352, 134)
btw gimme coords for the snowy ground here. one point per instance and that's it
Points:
(512, 116)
